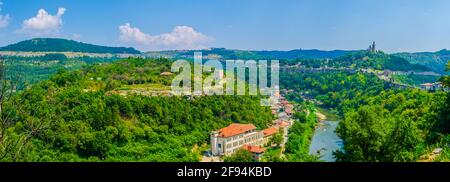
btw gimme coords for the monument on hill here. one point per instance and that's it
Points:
(372, 48)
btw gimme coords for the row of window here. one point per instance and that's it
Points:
(241, 142)
(234, 138)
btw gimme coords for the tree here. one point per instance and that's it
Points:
(403, 139)
(446, 79)
(273, 155)
(11, 143)
(241, 155)
(277, 138)
(444, 117)
(364, 133)
(300, 116)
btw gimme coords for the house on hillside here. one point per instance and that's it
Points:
(426, 86)
(432, 86)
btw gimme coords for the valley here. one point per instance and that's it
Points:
(105, 105)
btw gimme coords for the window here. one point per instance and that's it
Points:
(219, 145)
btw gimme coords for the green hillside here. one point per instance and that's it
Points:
(223, 54)
(361, 59)
(380, 123)
(63, 45)
(377, 60)
(434, 60)
(93, 115)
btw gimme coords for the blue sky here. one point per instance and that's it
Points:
(396, 25)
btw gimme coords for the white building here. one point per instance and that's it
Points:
(234, 137)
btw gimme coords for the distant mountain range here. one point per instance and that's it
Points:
(223, 54)
(64, 45)
(436, 61)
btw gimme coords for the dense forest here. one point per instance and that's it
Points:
(434, 60)
(63, 45)
(33, 69)
(396, 126)
(402, 125)
(361, 60)
(72, 117)
(336, 90)
(413, 79)
(380, 123)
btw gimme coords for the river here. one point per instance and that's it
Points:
(325, 141)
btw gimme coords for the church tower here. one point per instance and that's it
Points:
(372, 48)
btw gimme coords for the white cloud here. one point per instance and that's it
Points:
(4, 19)
(181, 37)
(44, 23)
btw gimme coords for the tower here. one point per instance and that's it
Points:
(372, 48)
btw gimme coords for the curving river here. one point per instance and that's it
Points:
(325, 141)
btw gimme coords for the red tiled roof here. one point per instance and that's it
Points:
(270, 131)
(235, 129)
(282, 124)
(254, 149)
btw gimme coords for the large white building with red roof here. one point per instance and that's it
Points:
(234, 137)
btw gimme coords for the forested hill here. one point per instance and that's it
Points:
(64, 45)
(434, 60)
(378, 60)
(361, 60)
(103, 113)
(223, 54)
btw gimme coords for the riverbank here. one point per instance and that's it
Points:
(300, 135)
(326, 114)
(325, 141)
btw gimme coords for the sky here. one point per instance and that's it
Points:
(396, 25)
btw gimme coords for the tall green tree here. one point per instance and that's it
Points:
(404, 138)
(277, 138)
(364, 133)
